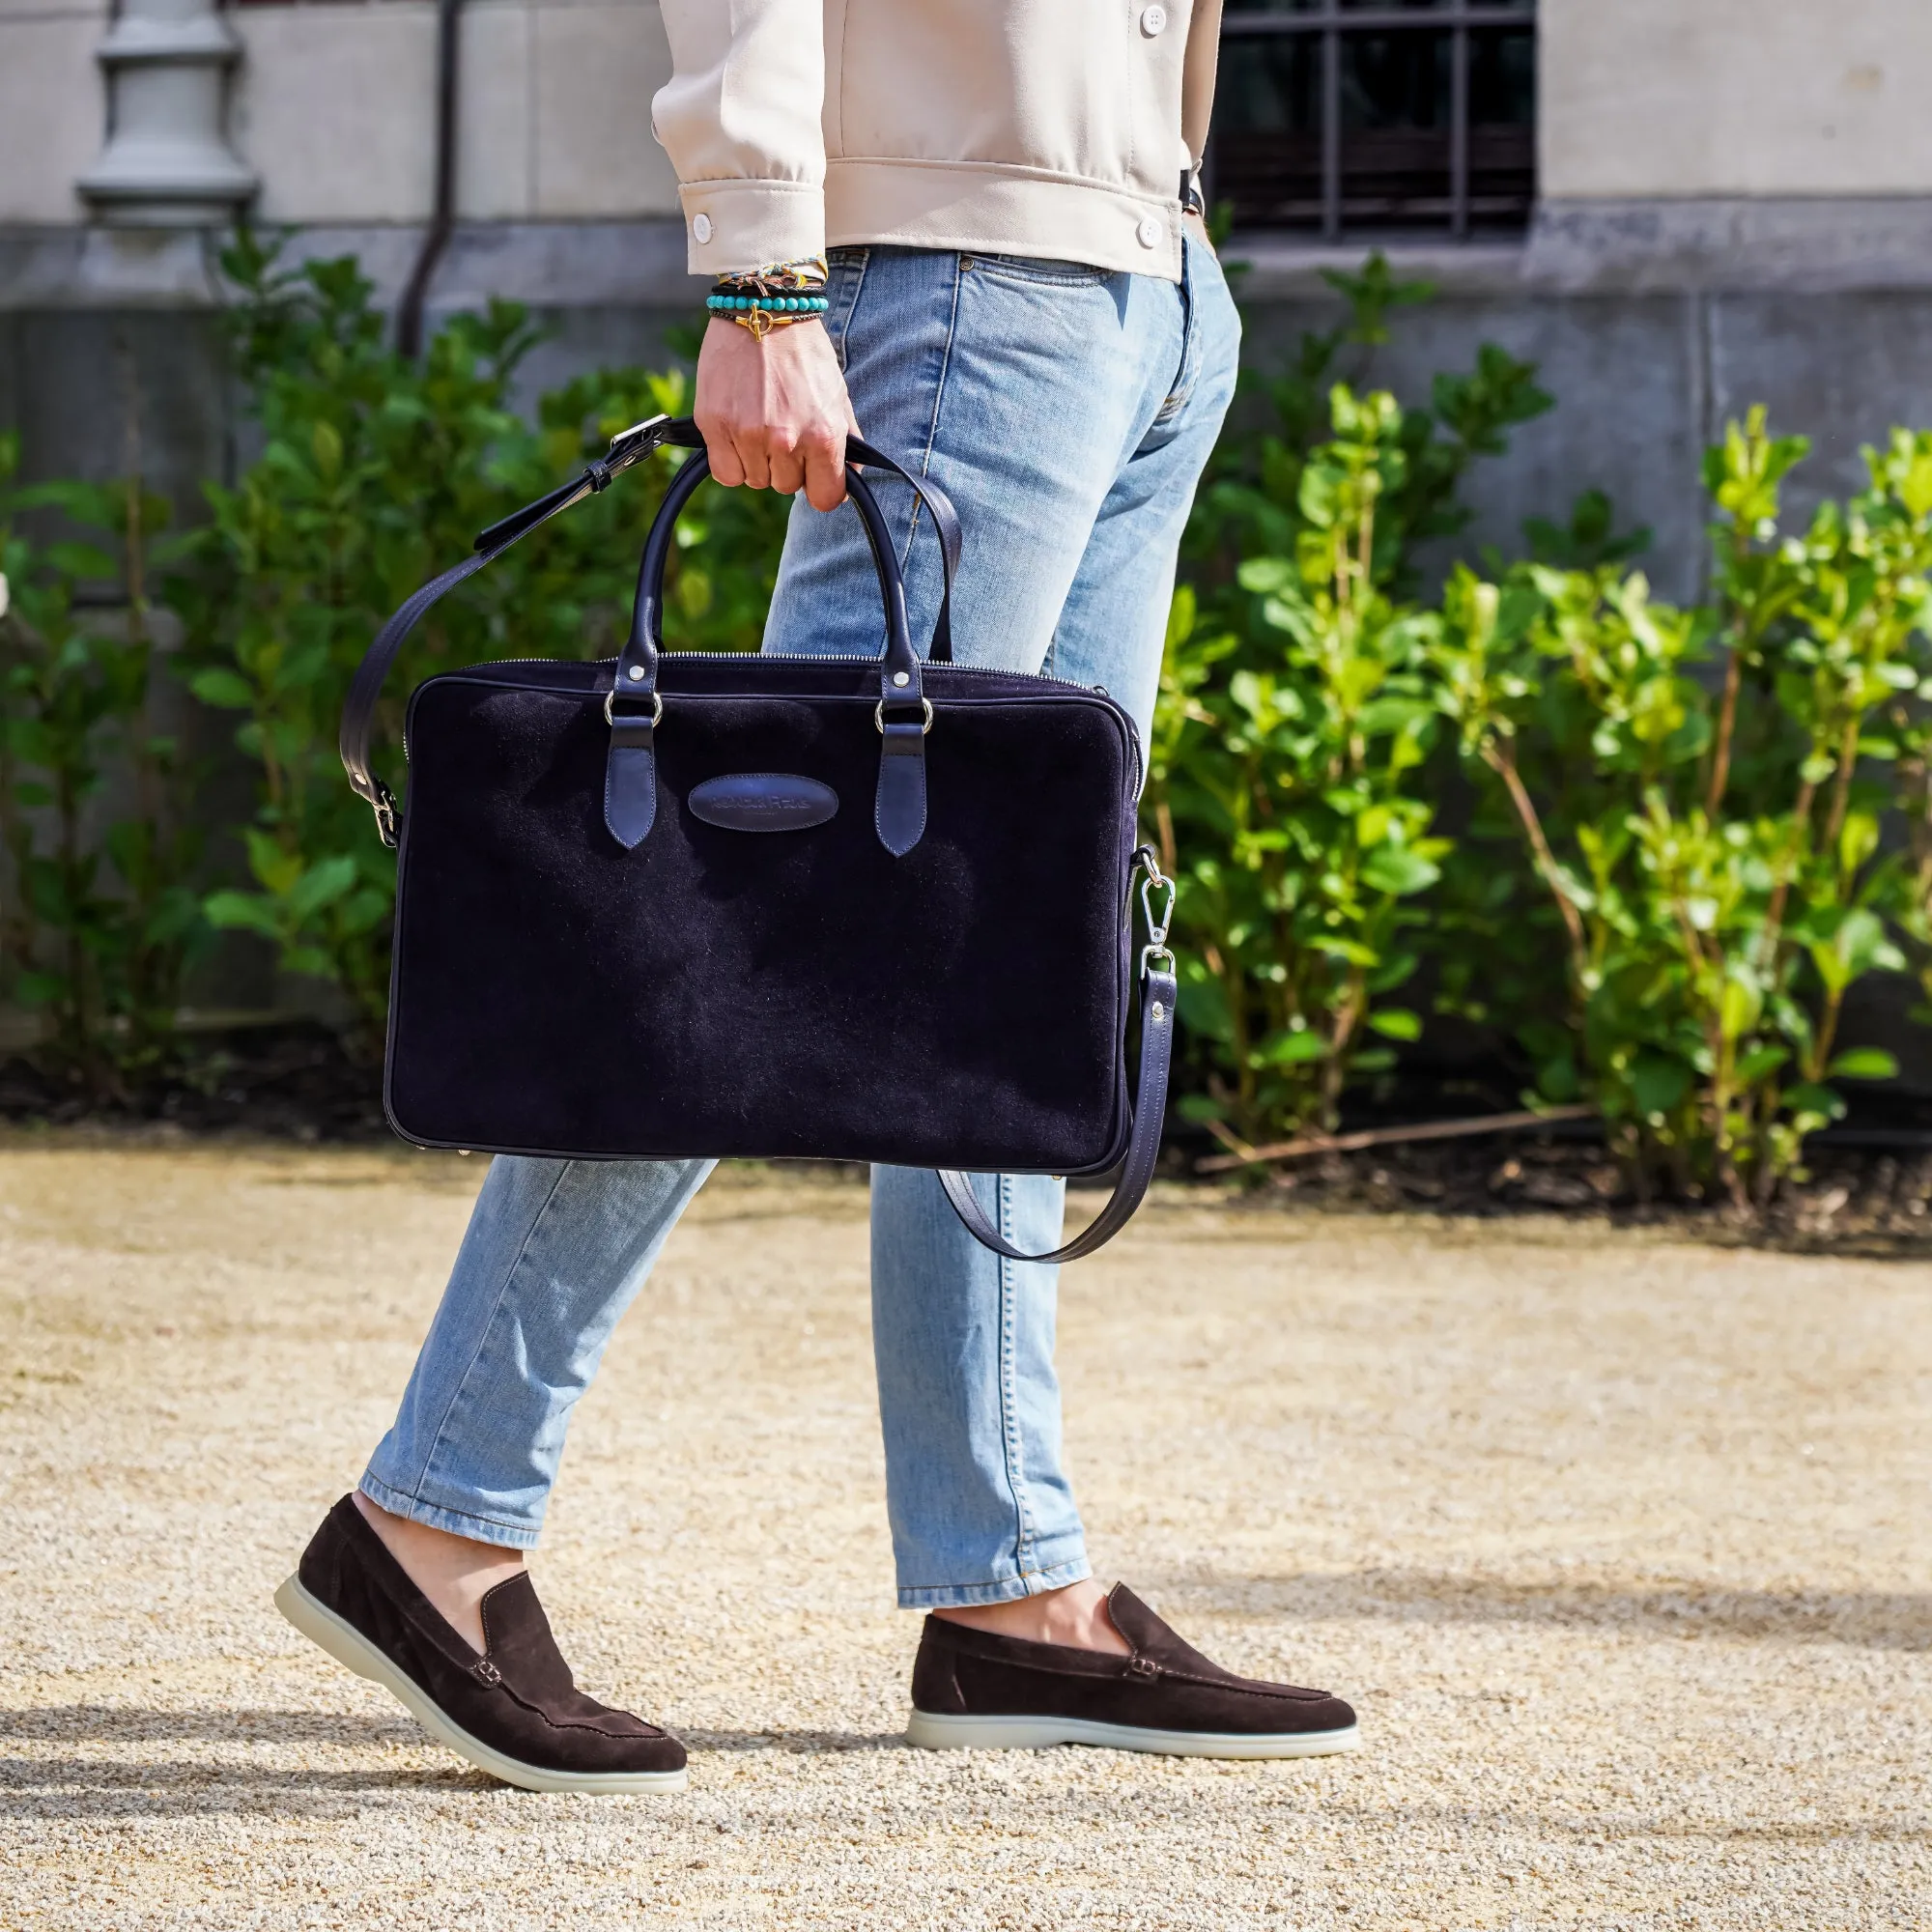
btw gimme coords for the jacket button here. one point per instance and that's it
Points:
(1152, 21)
(1150, 231)
(701, 227)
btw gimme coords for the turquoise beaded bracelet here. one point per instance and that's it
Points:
(772, 304)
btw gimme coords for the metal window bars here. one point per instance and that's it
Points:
(1331, 23)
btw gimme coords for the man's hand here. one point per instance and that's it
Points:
(775, 414)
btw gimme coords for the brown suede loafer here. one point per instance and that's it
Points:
(514, 1712)
(972, 1690)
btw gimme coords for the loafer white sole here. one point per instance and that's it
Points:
(349, 1647)
(933, 1731)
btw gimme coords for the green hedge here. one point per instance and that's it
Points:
(1681, 835)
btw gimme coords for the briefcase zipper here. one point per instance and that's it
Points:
(814, 657)
(793, 657)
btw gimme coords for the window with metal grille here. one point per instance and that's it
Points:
(1335, 116)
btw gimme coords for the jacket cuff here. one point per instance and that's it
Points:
(731, 226)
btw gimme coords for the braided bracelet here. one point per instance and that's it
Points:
(783, 278)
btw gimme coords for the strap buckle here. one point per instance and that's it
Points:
(633, 444)
(383, 806)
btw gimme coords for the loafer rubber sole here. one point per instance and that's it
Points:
(937, 1731)
(349, 1647)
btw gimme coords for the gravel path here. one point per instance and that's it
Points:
(1621, 1544)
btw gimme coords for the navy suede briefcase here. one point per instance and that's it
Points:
(689, 904)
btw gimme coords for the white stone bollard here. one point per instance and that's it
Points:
(168, 162)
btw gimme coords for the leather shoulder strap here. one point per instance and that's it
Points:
(1157, 996)
(1159, 992)
(359, 709)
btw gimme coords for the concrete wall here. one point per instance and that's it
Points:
(1675, 98)
(332, 107)
(334, 110)
(1643, 383)
(51, 104)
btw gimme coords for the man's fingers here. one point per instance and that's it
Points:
(824, 469)
(787, 469)
(753, 456)
(721, 452)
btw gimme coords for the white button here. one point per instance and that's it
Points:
(701, 227)
(1152, 21)
(1150, 233)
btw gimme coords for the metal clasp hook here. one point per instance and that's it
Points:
(1157, 923)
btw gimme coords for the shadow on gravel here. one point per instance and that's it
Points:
(1871, 1620)
(116, 1724)
(112, 1723)
(72, 1785)
(68, 1787)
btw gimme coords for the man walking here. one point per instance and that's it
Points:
(982, 214)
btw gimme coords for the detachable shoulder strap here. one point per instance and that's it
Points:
(1158, 993)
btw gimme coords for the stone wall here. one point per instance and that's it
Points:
(1674, 98)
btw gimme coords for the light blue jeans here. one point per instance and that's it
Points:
(1069, 414)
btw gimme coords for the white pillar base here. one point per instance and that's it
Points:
(168, 164)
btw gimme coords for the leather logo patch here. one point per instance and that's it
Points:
(762, 802)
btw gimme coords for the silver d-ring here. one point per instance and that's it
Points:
(879, 716)
(657, 708)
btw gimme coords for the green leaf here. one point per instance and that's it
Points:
(1266, 574)
(1396, 871)
(1291, 1047)
(249, 912)
(1737, 1006)
(1659, 1082)
(325, 443)
(1761, 1061)
(1397, 1023)
(225, 690)
(1863, 1063)
(320, 885)
(1819, 1102)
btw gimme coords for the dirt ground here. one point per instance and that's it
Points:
(1622, 1545)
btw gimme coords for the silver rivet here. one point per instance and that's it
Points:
(900, 677)
(1159, 1013)
(636, 673)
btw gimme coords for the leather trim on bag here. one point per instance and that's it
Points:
(762, 802)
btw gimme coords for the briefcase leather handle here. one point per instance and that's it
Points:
(903, 714)
(631, 448)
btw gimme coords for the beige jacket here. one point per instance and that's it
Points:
(1044, 128)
